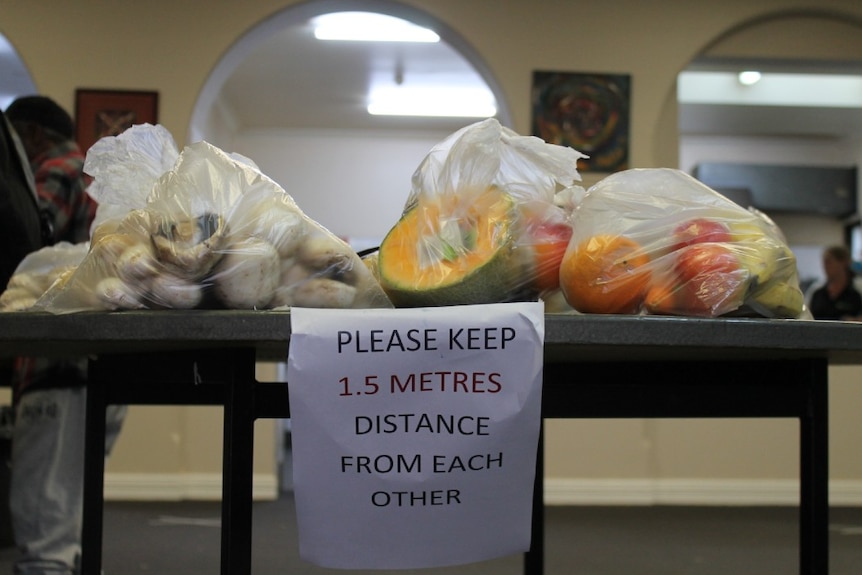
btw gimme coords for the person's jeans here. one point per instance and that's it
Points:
(47, 480)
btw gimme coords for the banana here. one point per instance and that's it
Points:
(764, 256)
(757, 260)
(779, 299)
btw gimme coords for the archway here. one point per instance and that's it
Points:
(351, 174)
(353, 179)
(810, 41)
(816, 39)
(813, 44)
(300, 15)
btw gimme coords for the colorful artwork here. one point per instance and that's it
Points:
(588, 112)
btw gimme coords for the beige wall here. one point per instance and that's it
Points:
(171, 46)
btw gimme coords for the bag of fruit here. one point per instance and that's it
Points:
(658, 241)
(480, 224)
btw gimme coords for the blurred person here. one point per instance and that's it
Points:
(47, 133)
(20, 222)
(837, 298)
(49, 395)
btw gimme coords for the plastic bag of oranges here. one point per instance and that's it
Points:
(658, 241)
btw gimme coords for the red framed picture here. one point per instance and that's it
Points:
(100, 113)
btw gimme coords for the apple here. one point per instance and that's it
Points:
(712, 278)
(702, 259)
(700, 230)
(549, 242)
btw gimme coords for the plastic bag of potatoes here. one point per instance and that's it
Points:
(213, 232)
(38, 271)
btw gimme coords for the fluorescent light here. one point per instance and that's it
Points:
(437, 101)
(749, 77)
(773, 89)
(369, 27)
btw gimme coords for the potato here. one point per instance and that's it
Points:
(326, 256)
(172, 292)
(324, 293)
(114, 293)
(247, 275)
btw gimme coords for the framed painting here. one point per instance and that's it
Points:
(100, 113)
(585, 111)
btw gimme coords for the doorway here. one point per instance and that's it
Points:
(744, 125)
(810, 42)
(298, 107)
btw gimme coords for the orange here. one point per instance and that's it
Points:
(663, 299)
(605, 274)
(674, 298)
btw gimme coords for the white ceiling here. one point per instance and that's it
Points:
(292, 80)
(826, 121)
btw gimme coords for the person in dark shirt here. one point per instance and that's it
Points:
(837, 299)
(20, 223)
(47, 133)
(49, 394)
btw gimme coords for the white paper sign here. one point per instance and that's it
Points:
(415, 433)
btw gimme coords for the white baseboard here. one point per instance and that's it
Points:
(177, 487)
(739, 492)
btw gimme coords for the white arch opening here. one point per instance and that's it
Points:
(346, 169)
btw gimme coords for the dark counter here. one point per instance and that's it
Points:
(568, 337)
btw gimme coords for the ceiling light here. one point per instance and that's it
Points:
(369, 27)
(432, 101)
(749, 77)
(773, 89)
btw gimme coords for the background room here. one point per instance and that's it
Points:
(258, 83)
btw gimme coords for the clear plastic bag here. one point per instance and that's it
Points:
(658, 241)
(38, 271)
(480, 224)
(124, 169)
(211, 232)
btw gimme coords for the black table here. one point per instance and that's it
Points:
(595, 367)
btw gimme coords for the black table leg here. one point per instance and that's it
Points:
(94, 474)
(238, 468)
(814, 475)
(534, 559)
